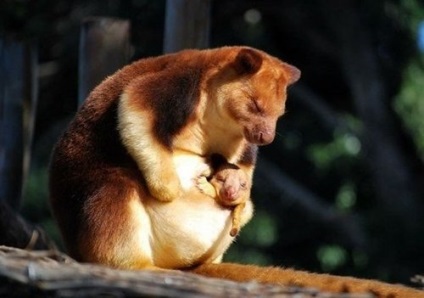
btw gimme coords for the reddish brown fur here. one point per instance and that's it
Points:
(93, 178)
(173, 103)
(244, 83)
(92, 173)
(324, 282)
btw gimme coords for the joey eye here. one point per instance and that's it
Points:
(220, 178)
(243, 184)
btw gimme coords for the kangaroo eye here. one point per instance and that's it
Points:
(255, 106)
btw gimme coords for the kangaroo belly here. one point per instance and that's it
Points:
(188, 231)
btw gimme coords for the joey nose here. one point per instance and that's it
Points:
(230, 193)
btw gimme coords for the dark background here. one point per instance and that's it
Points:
(341, 188)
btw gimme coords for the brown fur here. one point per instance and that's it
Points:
(204, 102)
(181, 108)
(137, 136)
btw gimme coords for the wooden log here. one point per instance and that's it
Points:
(187, 24)
(52, 274)
(18, 93)
(104, 48)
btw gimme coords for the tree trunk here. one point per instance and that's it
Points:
(104, 48)
(18, 92)
(186, 24)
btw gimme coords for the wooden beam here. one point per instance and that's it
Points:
(104, 48)
(187, 24)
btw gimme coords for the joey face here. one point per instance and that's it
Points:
(231, 185)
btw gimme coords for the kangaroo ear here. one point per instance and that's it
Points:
(292, 73)
(247, 62)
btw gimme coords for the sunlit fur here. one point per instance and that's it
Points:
(124, 178)
(324, 282)
(222, 119)
(150, 129)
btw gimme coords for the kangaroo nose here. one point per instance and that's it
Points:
(266, 137)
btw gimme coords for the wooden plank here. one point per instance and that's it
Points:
(17, 90)
(187, 24)
(104, 48)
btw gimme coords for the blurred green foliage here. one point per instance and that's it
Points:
(410, 104)
(331, 257)
(261, 232)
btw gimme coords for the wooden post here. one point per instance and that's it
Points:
(30, 107)
(187, 24)
(18, 94)
(104, 48)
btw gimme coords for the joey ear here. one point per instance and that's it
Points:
(293, 73)
(247, 62)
